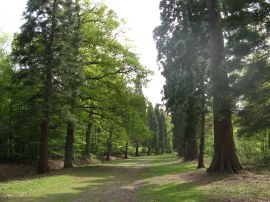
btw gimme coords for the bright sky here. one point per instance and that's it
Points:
(141, 17)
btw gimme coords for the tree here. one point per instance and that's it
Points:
(182, 45)
(153, 126)
(35, 48)
(225, 158)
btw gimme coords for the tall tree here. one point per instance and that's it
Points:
(225, 158)
(35, 48)
(153, 126)
(182, 44)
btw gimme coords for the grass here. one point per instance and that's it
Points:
(60, 186)
(156, 178)
(163, 184)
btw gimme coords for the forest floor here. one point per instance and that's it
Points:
(161, 178)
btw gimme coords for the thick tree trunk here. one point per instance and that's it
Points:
(137, 150)
(88, 138)
(43, 155)
(225, 158)
(69, 146)
(43, 166)
(191, 150)
(108, 153)
(201, 154)
(126, 151)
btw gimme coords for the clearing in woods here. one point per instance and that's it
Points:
(156, 178)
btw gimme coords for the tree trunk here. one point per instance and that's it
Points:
(88, 138)
(156, 151)
(191, 153)
(201, 154)
(10, 129)
(126, 151)
(43, 166)
(69, 146)
(108, 154)
(149, 151)
(179, 152)
(225, 158)
(137, 150)
(190, 139)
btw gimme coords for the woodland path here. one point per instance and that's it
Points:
(161, 178)
(121, 185)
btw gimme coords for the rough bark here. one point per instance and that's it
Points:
(69, 146)
(225, 158)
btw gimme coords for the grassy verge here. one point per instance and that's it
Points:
(180, 181)
(161, 178)
(58, 186)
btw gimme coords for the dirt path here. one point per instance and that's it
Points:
(121, 188)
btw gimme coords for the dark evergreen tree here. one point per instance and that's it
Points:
(36, 48)
(153, 126)
(182, 46)
(225, 158)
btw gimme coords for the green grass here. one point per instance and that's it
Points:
(59, 186)
(173, 192)
(162, 178)
(161, 188)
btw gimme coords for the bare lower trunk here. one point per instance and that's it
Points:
(88, 138)
(43, 166)
(180, 152)
(126, 151)
(191, 151)
(10, 129)
(156, 151)
(69, 146)
(225, 158)
(149, 151)
(137, 150)
(201, 154)
(108, 153)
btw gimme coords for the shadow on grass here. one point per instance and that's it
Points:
(173, 192)
(65, 185)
